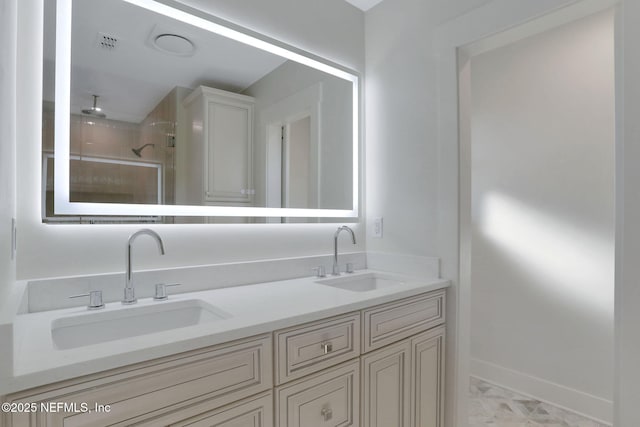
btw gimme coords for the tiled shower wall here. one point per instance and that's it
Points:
(114, 140)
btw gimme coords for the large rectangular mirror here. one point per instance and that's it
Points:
(152, 109)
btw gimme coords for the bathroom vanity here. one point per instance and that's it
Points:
(365, 349)
(245, 344)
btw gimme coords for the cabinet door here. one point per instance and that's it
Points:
(386, 386)
(427, 378)
(228, 152)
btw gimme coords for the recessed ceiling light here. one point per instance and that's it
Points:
(174, 44)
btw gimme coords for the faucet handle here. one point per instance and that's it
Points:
(161, 291)
(336, 270)
(320, 271)
(95, 299)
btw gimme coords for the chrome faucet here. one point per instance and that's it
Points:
(129, 291)
(336, 267)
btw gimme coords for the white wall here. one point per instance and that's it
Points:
(627, 392)
(8, 57)
(401, 121)
(413, 164)
(52, 250)
(542, 276)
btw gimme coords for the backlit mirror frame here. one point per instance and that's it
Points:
(62, 203)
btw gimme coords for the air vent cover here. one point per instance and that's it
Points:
(106, 41)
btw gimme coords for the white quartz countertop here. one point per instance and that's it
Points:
(253, 309)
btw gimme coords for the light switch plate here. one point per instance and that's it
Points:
(377, 227)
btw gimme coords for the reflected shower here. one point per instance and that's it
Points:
(138, 151)
(95, 110)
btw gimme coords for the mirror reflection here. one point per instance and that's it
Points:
(163, 112)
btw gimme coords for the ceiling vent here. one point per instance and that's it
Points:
(106, 41)
(174, 44)
(169, 41)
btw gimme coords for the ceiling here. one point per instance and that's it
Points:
(364, 4)
(134, 76)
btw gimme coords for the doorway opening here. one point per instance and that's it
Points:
(537, 141)
(290, 166)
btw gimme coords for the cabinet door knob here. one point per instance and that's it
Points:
(326, 413)
(327, 347)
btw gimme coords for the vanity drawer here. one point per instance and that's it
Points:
(305, 349)
(256, 411)
(219, 375)
(388, 323)
(328, 399)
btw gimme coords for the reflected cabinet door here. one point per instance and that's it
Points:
(219, 148)
(228, 152)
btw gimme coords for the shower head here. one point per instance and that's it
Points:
(95, 110)
(138, 151)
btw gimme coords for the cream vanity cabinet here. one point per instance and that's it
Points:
(225, 385)
(219, 137)
(398, 380)
(403, 367)
(378, 367)
(403, 383)
(329, 351)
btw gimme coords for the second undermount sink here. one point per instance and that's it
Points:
(364, 282)
(127, 322)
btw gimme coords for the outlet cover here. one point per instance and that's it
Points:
(377, 227)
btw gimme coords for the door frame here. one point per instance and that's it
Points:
(306, 103)
(496, 22)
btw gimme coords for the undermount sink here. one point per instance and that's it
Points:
(364, 282)
(127, 322)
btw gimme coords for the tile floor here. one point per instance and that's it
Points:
(493, 406)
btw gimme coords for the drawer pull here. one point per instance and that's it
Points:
(326, 413)
(327, 347)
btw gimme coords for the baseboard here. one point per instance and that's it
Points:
(589, 406)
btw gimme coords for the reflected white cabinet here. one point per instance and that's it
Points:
(218, 149)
